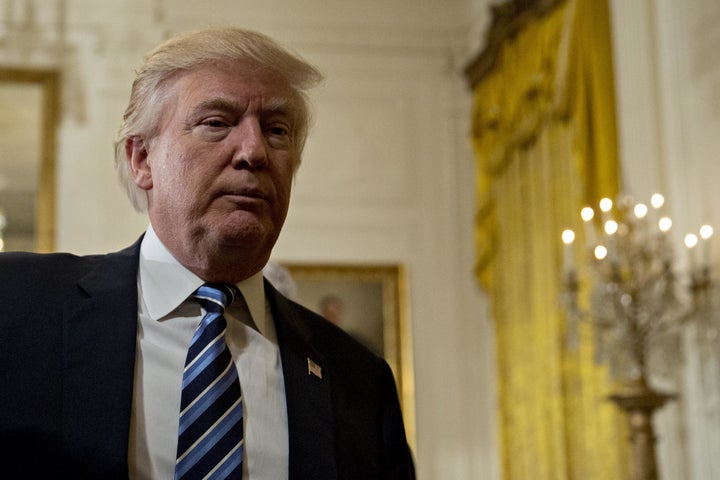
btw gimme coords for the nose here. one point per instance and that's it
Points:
(250, 146)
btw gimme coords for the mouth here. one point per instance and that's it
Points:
(244, 195)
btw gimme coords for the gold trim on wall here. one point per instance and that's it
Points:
(48, 81)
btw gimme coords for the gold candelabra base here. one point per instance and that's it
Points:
(639, 403)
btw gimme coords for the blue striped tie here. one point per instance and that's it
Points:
(210, 433)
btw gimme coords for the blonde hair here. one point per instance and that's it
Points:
(189, 51)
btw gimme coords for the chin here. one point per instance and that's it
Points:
(247, 235)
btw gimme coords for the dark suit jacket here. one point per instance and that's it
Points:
(67, 353)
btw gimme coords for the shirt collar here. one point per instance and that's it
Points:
(165, 283)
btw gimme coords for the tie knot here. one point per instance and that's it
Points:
(215, 297)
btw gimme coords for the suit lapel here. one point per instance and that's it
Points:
(100, 330)
(308, 394)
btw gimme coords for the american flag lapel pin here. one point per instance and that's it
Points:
(314, 369)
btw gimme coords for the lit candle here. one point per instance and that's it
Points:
(605, 206)
(640, 210)
(656, 201)
(664, 224)
(706, 232)
(691, 240)
(568, 237)
(587, 215)
(611, 227)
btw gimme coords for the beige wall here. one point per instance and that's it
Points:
(388, 176)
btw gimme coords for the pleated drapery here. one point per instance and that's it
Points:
(544, 136)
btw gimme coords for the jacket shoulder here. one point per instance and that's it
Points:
(47, 272)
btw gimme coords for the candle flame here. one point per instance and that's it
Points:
(640, 210)
(657, 200)
(611, 226)
(606, 204)
(587, 214)
(706, 232)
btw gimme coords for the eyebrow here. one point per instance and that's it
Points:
(275, 105)
(215, 104)
(280, 105)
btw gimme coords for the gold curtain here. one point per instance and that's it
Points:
(545, 142)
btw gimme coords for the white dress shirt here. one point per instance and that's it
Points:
(166, 322)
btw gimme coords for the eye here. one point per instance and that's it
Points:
(278, 134)
(213, 128)
(279, 130)
(215, 122)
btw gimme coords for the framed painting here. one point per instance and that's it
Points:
(368, 302)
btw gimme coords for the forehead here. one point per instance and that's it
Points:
(239, 83)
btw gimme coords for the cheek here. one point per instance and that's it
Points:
(181, 177)
(283, 187)
(171, 181)
(285, 175)
(174, 197)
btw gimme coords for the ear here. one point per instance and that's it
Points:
(136, 155)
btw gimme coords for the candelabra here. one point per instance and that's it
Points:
(636, 304)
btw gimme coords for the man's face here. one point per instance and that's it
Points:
(219, 173)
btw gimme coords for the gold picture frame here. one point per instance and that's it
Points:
(374, 309)
(29, 106)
